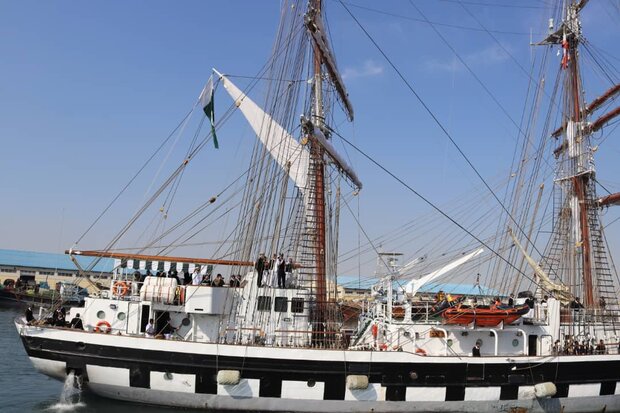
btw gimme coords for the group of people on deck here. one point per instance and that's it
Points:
(195, 278)
(271, 270)
(57, 319)
(574, 347)
(205, 279)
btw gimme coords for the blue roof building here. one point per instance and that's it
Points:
(11, 260)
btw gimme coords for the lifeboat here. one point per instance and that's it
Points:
(483, 315)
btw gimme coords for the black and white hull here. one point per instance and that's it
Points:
(189, 374)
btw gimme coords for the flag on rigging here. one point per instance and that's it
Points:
(206, 100)
(565, 55)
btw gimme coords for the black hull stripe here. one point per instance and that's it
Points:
(395, 377)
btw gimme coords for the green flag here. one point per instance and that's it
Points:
(206, 100)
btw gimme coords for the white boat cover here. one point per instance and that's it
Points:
(414, 286)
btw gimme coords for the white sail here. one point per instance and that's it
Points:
(414, 286)
(284, 149)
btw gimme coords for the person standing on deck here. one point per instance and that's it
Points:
(272, 270)
(29, 316)
(260, 268)
(475, 352)
(196, 277)
(150, 330)
(281, 268)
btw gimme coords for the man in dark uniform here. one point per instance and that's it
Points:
(76, 322)
(29, 316)
(281, 271)
(260, 268)
(475, 352)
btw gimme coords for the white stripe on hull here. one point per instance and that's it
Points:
(526, 393)
(219, 402)
(306, 390)
(426, 394)
(107, 375)
(372, 393)
(482, 393)
(285, 353)
(245, 388)
(584, 390)
(185, 383)
(52, 368)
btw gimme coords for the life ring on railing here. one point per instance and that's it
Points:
(374, 330)
(420, 351)
(98, 328)
(120, 288)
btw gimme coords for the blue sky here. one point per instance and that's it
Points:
(88, 90)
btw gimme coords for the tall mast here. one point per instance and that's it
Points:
(577, 252)
(317, 169)
(582, 170)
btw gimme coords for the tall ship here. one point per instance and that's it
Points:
(259, 327)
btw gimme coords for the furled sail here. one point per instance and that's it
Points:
(332, 152)
(414, 286)
(558, 290)
(284, 149)
(318, 35)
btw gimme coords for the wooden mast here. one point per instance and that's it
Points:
(316, 156)
(580, 180)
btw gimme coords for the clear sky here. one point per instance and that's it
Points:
(89, 89)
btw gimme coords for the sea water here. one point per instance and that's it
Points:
(70, 396)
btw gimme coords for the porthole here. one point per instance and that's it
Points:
(121, 316)
(311, 383)
(185, 321)
(101, 315)
(449, 342)
(515, 342)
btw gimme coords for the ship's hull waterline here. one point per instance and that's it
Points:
(174, 373)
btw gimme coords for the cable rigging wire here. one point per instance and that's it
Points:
(432, 205)
(434, 117)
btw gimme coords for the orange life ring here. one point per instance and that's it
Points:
(103, 323)
(375, 330)
(420, 351)
(120, 288)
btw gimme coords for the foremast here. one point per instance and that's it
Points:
(322, 234)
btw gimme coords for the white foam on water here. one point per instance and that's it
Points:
(62, 407)
(70, 397)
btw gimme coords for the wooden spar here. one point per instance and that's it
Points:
(613, 199)
(596, 103)
(129, 256)
(600, 122)
(324, 55)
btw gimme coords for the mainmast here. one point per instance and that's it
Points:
(317, 181)
(577, 251)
